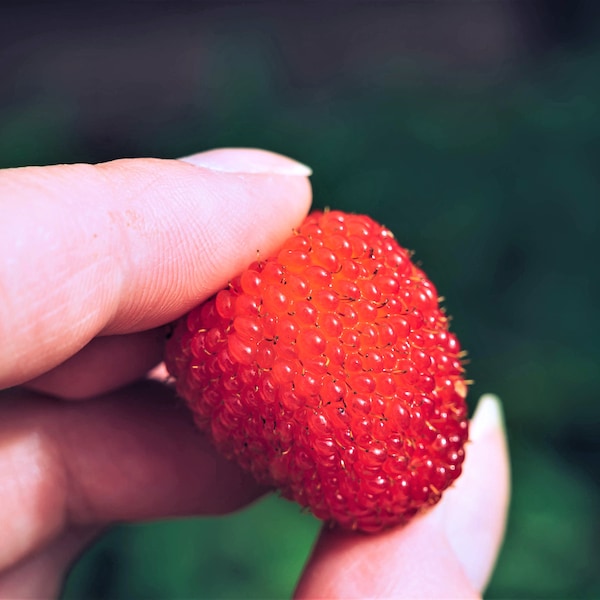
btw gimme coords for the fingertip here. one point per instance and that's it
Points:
(406, 562)
(488, 417)
(474, 512)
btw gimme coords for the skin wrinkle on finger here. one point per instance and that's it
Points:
(133, 225)
(235, 225)
(160, 277)
(203, 254)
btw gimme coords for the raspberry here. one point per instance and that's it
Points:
(328, 371)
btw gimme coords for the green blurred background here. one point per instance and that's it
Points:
(470, 129)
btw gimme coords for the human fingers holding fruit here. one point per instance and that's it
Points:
(97, 260)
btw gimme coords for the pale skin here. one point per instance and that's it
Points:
(95, 261)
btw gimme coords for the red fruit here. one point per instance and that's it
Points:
(328, 371)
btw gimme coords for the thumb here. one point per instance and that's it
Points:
(130, 244)
(447, 552)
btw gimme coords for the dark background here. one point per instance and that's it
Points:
(471, 129)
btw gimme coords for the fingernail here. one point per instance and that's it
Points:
(488, 417)
(247, 160)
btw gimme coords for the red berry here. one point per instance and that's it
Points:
(328, 371)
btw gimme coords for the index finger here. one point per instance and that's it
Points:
(130, 244)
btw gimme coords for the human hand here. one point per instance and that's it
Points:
(96, 259)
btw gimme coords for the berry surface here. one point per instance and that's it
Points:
(329, 372)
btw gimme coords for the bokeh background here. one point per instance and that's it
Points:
(471, 129)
